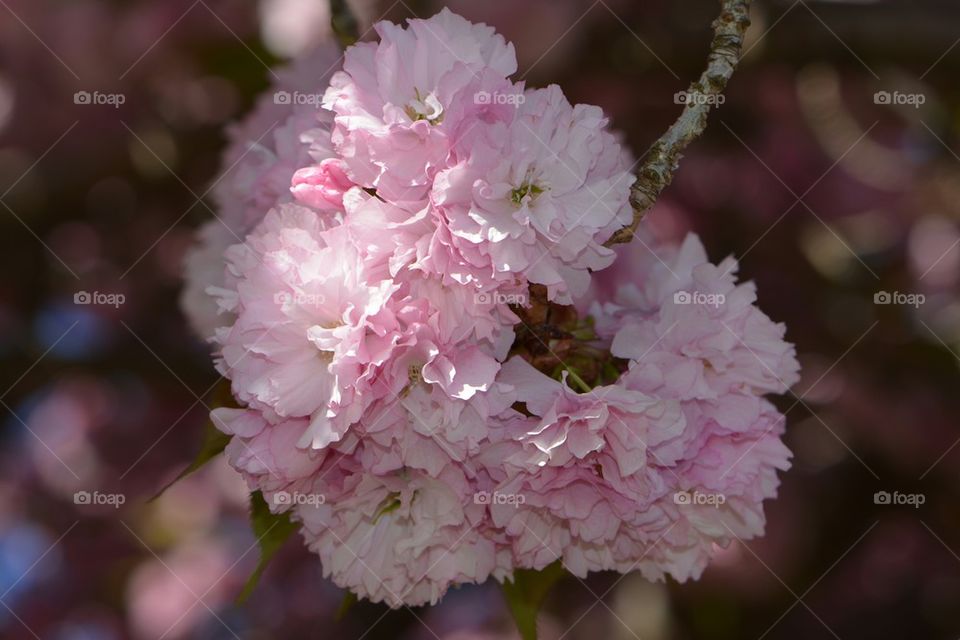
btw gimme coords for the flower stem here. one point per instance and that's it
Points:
(578, 380)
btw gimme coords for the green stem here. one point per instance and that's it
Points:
(579, 381)
(525, 594)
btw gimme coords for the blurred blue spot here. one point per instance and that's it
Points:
(89, 337)
(20, 547)
(233, 622)
(85, 631)
(12, 424)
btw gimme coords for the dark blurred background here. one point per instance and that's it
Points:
(832, 171)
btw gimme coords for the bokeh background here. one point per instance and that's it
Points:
(831, 193)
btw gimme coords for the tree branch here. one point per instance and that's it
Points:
(656, 173)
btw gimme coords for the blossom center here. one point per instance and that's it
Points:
(415, 373)
(425, 108)
(519, 194)
(388, 505)
(414, 377)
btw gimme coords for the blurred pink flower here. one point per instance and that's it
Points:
(162, 594)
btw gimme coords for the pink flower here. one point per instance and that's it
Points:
(614, 419)
(696, 334)
(264, 151)
(674, 459)
(399, 538)
(308, 326)
(540, 198)
(203, 267)
(696, 487)
(316, 335)
(402, 103)
(395, 535)
(286, 131)
(268, 454)
(366, 287)
(322, 186)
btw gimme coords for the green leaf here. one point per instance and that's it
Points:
(346, 604)
(525, 596)
(344, 23)
(271, 530)
(214, 442)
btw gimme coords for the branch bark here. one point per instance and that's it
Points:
(657, 170)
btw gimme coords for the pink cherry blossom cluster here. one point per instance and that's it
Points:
(364, 285)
